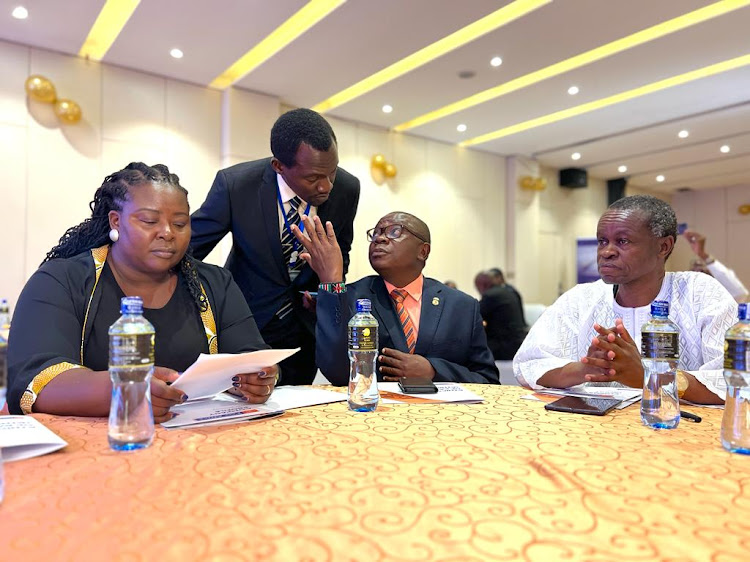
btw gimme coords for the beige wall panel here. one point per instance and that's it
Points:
(250, 118)
(193, 137)
(61, 182)
(14, 62)
(133, 107)
(13, 205)
(738, 233)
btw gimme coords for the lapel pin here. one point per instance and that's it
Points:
(435, 301)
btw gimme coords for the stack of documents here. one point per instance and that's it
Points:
(226, 408)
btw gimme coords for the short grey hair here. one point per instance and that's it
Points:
(659, 215)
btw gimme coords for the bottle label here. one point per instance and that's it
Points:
(363, 338)
(662, 345)
(735, 354)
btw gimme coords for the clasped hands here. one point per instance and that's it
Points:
(613, 356)
(253, 387)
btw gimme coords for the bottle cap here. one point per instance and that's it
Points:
(660, 309)
(131, 305)
(742, 311)
(364, 305)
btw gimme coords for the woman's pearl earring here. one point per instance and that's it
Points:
(114, 235)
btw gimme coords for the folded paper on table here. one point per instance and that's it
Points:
(211, 374)
(447, 392)
(23, 437)
(291, 397)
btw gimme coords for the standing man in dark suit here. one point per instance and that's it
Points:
(426, 329)
(502, 312)
(260, 202)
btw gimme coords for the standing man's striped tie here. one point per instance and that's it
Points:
(288, 241)
(398, 296)
(290, 249)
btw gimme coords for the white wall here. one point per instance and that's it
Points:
(49, 172)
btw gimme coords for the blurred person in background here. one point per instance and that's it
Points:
(710, 265)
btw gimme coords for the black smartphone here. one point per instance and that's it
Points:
(579, 405)
(415, 385)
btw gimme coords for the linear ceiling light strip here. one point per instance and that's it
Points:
(495, 20)
(704, 72)
(107, 27)
(304, 19)
(618, 46)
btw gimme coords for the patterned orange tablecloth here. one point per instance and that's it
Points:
(502, 480)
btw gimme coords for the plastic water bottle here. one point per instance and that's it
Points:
(735, 426)
(4, 315)
(131, 365)
(363, 353)
(660, 341)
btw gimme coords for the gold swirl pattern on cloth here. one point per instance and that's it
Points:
(503, 480)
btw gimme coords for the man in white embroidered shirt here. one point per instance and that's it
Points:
(591, 334)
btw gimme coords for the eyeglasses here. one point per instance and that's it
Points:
(392, 232)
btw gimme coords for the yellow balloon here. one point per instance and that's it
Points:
(378, 161)
(390, 170)
(540, 184)
(40, 89)
(526, 182)
(68, 111)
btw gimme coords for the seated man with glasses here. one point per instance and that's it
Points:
(426, 329)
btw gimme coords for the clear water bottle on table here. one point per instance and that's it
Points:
(660, 341)
(363, 354)
(735, 425)
(131, 365)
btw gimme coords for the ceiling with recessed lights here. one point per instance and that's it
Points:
(643, 88)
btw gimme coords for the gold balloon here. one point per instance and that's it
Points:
(526, 182)
(378, 161)
(68, 111)
(40, 89)
(390, 170)
(540, 184)
(744, 209)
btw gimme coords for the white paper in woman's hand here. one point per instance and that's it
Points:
(211, 374)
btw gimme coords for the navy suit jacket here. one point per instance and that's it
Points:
(243, 200)
(451, 336)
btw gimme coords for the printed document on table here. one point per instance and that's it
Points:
(226, 408)
(23, 437)
(447, 392)
(211, 374)
(218, 410)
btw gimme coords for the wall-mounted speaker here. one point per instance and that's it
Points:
(616, 189)
(573, 177)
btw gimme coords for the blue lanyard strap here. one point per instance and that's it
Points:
(295, 243)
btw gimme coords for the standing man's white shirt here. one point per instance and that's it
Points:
(727, 277)
(698, 304)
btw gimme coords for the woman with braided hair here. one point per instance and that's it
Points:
(134, 244)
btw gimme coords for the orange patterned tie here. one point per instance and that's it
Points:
(398, 296)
